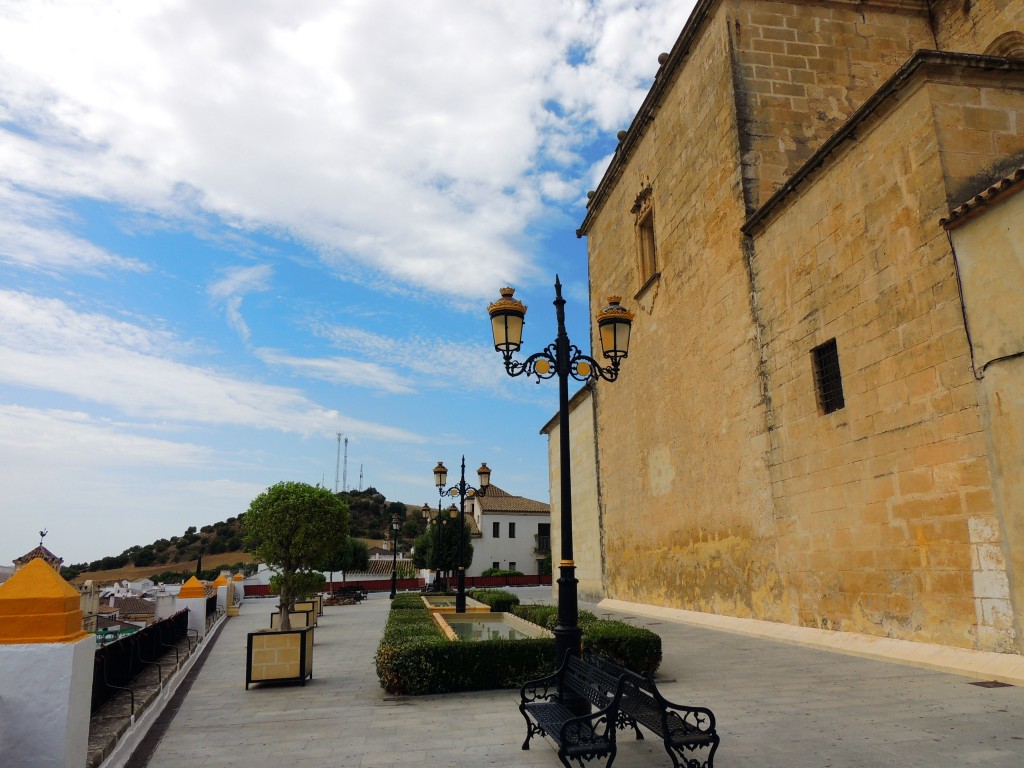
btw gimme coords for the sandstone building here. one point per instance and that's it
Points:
(814, 215)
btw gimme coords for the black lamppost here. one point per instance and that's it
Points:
(464, 492)
(563, 360)
(395, 525)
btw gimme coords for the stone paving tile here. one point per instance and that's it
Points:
(776, 705)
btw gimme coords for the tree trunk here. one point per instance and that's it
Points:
(285, 606)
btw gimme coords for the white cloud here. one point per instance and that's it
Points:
(340, 370)
(242, 280)
(399, 136)
(46, 345)
(33, 235)
(58, 438)
(437, 363)
(232, 287)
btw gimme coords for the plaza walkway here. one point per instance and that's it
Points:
(778, 706)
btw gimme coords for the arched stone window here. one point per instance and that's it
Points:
(1009, 45)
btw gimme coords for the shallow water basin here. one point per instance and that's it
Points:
(487, 626)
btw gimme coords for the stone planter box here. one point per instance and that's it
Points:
(313, 604)
(279, 656)
(297, 618)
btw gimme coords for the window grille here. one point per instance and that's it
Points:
(495, 530)
(828, 379)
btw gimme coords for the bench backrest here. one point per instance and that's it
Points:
(638, 700)
(590, 681)
(642, 701)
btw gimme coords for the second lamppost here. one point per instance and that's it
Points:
(396, 524)
(463, 491)
(563, 360)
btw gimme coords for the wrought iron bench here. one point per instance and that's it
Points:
(353, 593)
(578, 737)
(686, 731)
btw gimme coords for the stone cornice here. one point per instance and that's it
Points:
(671, 63)
(905, 77)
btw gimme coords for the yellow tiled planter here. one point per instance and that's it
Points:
(275, 656)
(297, 618)
(310, 605)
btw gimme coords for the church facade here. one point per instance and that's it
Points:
(813, 216)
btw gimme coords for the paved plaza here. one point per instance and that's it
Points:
(778, 705)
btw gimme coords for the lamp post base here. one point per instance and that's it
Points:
(460, 596)
(568, 635)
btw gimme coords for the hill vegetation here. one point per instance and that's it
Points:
(220, 545)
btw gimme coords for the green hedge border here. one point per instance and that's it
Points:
(414, 656)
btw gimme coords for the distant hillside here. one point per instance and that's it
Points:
(173, 554)
(167, 573)
(221, 544)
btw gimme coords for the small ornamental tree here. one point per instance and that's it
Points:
(448, 555)
(294, 527)
(353, 555)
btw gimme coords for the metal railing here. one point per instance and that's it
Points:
(118, 663)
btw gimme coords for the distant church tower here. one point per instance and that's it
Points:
(51, 559)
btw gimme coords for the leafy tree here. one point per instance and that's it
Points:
(145, 556)
(448, 552)
(304, 585)
(353, 555)
(294, 527)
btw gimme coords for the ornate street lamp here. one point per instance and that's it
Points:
(563, 360)
(464, 492)
(396, 524)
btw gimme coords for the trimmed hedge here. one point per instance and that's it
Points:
(414, 656)
(500, 600)
(635, 648)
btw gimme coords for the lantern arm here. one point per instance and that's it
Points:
(592, 370)
(463, 489)
(529, 366)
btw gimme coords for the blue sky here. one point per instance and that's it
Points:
(230, 231)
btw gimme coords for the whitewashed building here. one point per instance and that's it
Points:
(511, 532)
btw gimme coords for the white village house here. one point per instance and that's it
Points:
(509, 532)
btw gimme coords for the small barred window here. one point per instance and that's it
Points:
(828, 379)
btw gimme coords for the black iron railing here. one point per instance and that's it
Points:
(118, 663)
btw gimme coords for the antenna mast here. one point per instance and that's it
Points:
(360, 477)
(336, 460)
(344, 481)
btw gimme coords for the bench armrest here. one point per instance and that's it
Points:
(693, 718)
(536, 690)
(596, 728)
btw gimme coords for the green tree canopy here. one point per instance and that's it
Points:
(294, 527)
(448, 553)
(353, 555)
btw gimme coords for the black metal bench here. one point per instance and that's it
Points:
(578, 737)
(686, 731)
(353, 593)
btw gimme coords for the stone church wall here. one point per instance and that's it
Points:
(731, 492)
